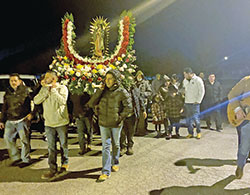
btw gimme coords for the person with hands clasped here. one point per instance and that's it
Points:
(53, 97)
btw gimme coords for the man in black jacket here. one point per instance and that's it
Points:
(15, 117)
(112, 105)
(213, 97)
(83, 116)
(131, 121)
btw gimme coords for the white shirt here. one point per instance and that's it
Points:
(194, 90)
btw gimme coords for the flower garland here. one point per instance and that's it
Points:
(85, 74)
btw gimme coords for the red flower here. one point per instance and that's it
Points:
(106, 62)
(124, 44)
(73, 78)
(66, 76)
(127, 60)
(90, 80)
(126, 19)
(83, 78)
(59, 58)
(92, 67)
(126, 37)
(99, 78)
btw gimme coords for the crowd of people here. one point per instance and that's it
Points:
(118, 113)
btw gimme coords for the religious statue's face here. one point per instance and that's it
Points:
(109, 80)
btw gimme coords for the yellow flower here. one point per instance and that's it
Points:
(100, 66)
(112, 66)
(119, 59)
(66, 64)
(71, 72)
(65, 58)
(79, 66)
(94, 71)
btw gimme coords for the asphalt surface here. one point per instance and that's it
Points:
(158, 166)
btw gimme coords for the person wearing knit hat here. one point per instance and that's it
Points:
(157, 83)
(145, 93)
(111, 105)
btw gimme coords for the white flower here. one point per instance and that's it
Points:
(78, 74)
(122, 76)
(89, 74)
(102, 72)
(59, 68)
(86, 69)
(123, 55)
(117, 63)
(130, 78)
(130, 70)
(121, 69)
(125, 66)
(65, 81)
(129, 55)
(50, 66)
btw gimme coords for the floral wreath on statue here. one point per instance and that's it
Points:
(84, 74)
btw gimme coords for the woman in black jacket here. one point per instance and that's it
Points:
(112, 105)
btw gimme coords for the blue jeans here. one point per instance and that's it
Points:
(51, 133)
(193, 115)
(11, 131)
(84, 128)
(109, 135)
(243, 144)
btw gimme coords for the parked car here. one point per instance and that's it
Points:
(29, 80)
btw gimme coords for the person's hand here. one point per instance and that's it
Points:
(145, 115)
(240, 114)
(43, 83)
(29, 117)
(53, 84)
(1, 125)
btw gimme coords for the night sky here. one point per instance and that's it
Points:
(170, 35)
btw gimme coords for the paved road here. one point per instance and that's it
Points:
(177, 166)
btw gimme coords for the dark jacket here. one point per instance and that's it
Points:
(16, 104)
(137, 101)
(79, 107)
(213, 93)
(173, 105)
(112, 105)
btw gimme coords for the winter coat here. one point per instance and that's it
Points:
(79, 108)
(137, 101)
(213, 93)
(158, 112)
(173, 105)
(16, 104)
(111, 105)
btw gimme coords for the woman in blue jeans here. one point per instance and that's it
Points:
(112, 105)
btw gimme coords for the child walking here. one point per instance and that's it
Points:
(159, 116)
